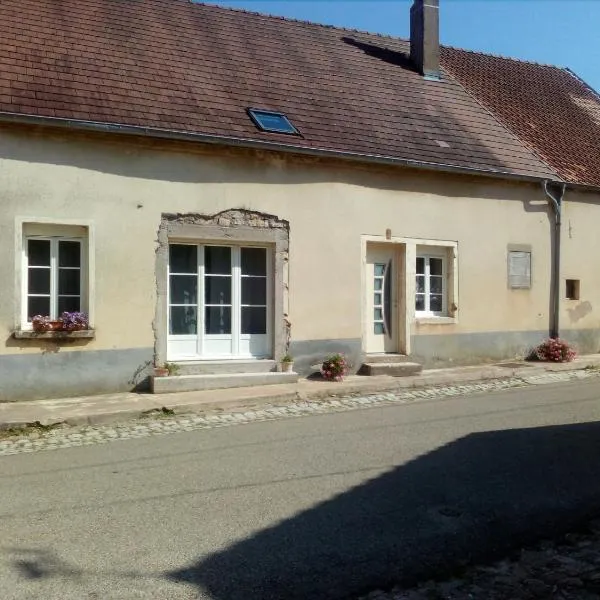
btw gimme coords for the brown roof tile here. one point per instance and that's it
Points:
(172, 64)
(553, 111)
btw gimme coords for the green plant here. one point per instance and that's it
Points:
(288, 358)
(172, 368)
(334, 367)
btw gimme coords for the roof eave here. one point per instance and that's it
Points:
(248, 143)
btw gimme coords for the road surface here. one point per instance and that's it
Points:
(320, 507)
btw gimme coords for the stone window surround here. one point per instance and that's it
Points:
(230, 227)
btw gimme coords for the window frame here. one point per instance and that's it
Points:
(54, 267)
(427, 312)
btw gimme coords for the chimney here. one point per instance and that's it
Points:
(425, 37)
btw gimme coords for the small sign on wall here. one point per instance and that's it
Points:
(519, 269)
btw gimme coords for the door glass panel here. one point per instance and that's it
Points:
(184, 289)
(69, 303)
(379, 270)
(254, 261)
(183, 320)
(254, 320)
(217, 260)
(183, 258)
(387, 299)
(254, 290)
(38, 281)
(378, 284)
(217, 290)
(378, 329)
(217, 320)
(69, 254)
(377, 298)
(378, 314)
(38, 253)
(38, 306)
(69, 282)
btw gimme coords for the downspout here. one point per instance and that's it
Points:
(555, 193)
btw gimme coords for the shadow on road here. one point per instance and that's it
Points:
(475, 498)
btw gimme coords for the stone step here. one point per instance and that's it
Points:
(195, 383)
(388, 357)
(399, 369)
(220, 367)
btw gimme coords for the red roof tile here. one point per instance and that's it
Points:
(192, 68)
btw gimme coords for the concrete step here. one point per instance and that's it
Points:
(388, 357)
(220, 367)
(399, 369)
(194, 383)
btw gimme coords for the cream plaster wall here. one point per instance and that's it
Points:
(124, 187)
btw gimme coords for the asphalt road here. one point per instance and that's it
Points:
(316, 507)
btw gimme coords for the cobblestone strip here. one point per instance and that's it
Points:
(70, 437)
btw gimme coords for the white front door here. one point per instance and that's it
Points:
(219, 302)
(382, 299)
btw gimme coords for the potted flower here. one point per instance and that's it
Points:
(161, 371)
(42, 323)
(287, 363)
(334, 367)
(74, 321)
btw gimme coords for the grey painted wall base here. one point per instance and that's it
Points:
(473, 348)
(307, 353)
(67, 374)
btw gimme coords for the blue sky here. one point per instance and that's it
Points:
(560, 32)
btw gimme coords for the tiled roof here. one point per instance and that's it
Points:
(549, 108)
(193, 68)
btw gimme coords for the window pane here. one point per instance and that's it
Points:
(436, 266)
(420, 284)
(184, 289)
(378, 329)
(420, 302)
(37, 306)
(436, 284)
(377, 299)
(183, 320)
(68, 303)
(38, 253)
(378, 284)
(217, 260)
(254, 290)
(38, 281)
(420, 265)
(254, 261)
(183, 258)
(254, 320)
(217, 290)
(435, 303)
(69, 254)
(218, 319)
(69, 282)
(379, 270)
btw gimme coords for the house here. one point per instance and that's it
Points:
(216, 188)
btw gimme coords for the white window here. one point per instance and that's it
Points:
(431, 286)
(53, 276)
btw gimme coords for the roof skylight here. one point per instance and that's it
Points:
(273, 122)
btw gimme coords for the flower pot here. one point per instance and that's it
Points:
(287, 367)
(43, 326)
(161, 372)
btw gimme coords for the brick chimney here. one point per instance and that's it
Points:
(425, 37)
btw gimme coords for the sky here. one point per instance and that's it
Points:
(559, 32)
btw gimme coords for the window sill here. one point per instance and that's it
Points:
(24, 334)
(436, 320)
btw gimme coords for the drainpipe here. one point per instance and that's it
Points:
(555, 193)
